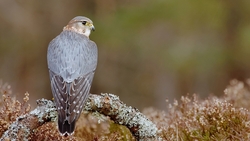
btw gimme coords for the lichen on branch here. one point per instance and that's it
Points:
(106, 104)
(110, 105)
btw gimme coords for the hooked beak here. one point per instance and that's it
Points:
(92, 27)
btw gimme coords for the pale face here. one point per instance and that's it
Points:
(81, 25)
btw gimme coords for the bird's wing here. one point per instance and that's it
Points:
(70, 97)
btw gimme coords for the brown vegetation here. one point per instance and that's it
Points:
(214, 118)
(191, 118)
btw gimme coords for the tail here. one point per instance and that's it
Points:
(66, 128)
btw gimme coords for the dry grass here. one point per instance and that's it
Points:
(191, 118)
(10, 108)
(212, 119)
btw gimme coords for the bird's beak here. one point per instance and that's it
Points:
(92, 27)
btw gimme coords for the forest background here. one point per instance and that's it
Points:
(149, 51)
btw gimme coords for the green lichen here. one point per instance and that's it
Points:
(123, 131)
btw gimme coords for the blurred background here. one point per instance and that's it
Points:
(149, 51)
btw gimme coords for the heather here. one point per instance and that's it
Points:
(189, 118)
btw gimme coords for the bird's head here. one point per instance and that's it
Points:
(81, 25)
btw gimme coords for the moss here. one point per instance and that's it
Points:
(121, 130)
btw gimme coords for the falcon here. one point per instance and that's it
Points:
(72, 61)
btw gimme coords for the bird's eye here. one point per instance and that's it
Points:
(84, 22)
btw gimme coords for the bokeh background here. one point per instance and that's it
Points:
(149, 50)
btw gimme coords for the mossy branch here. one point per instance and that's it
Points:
(110, 105)
(107, 104)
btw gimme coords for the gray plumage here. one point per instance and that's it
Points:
(72, 60)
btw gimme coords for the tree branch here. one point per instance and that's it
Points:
(106, 104)
(110, 105)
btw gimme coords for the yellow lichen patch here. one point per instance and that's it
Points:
(120, 133)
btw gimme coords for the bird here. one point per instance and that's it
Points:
(72, 61)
